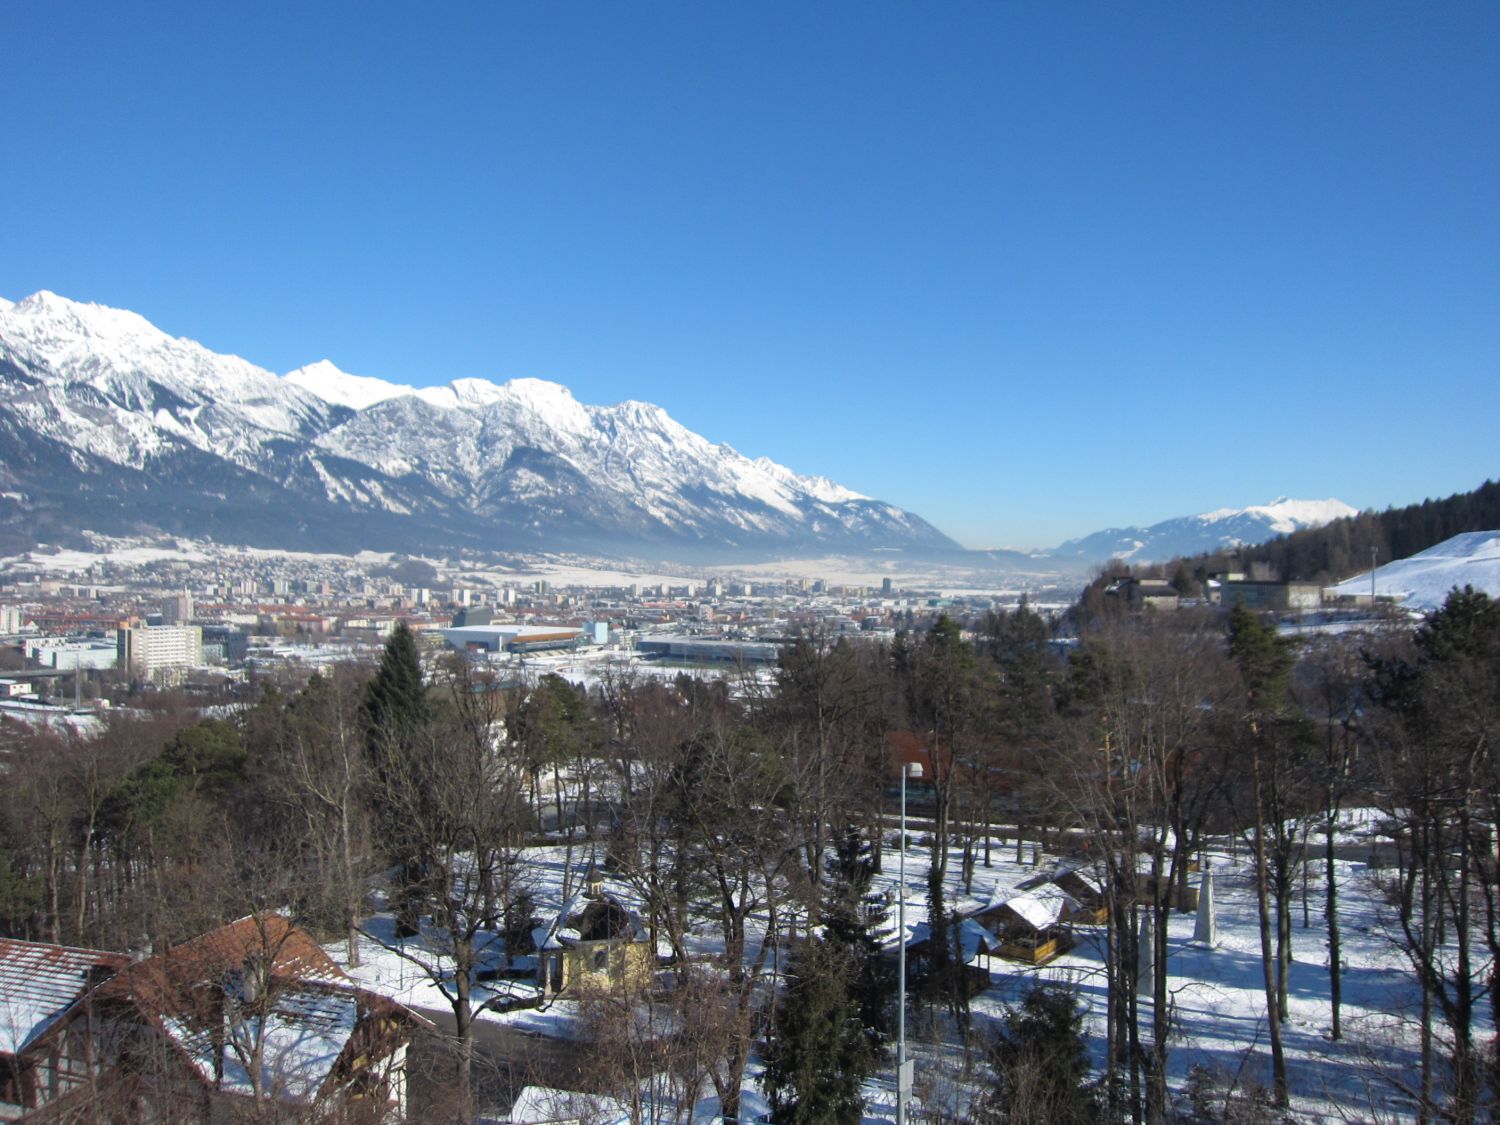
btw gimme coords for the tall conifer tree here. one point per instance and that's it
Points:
(396, 715)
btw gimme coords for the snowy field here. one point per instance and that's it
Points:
(70, 561)
(1219, 1003)
(1217, 997)
(1422, 582)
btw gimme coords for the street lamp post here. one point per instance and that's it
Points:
(903, 1068)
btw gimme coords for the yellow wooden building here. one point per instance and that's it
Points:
(595, 941)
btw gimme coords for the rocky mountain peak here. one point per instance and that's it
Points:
(138, 421)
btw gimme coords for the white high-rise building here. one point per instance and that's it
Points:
(150, 650)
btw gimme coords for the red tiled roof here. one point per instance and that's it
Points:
(159, 983)
(909, 748)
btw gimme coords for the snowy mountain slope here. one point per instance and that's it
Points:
(132, 410)
(1211, 531)
(107, 382)
(330, 384)
(1424, 580)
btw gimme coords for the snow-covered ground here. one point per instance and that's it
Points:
(1217, 994)
(1424, 580)
(1219, 1002)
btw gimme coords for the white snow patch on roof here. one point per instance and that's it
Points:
(973, 939)
(38, 983)
(1042, 906)
(295, 1045)
(538, 1105)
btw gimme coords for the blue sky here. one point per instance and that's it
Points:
(1026, 269)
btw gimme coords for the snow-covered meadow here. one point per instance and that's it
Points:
(1216, 993)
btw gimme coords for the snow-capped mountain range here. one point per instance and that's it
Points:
(1211, 531)
(108, 423)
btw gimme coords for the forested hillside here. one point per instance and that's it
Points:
(1342, 548)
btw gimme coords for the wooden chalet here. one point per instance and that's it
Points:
(1085, 890)
(973, 940)
(1032, 926)
(251, 1013)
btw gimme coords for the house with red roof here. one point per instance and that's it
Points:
(251, 1013)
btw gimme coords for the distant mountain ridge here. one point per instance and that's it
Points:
(1219, 530)
(1344, 547)
(109, 424)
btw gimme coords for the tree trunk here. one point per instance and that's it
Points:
(1157, 1103)
(1133, 1018)
(1273, 1017)
(463, 1021)
(80, 911)
(1331, 911)
(1465, 1063)
(54, 878)
(1114, 1024)
(1283, 941)
(351, 895)
(1426, 955)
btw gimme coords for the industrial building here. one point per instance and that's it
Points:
(513, 638)
(66, 653)
(1282, 597)
(708, 649)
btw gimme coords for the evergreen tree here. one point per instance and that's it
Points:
(1441, 776)
(396, 714)
(819, 1053)
(836, 1013)
(1041, 1063)
(395, 707)
(848, 922)
(206, 759)
(1265, 660)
